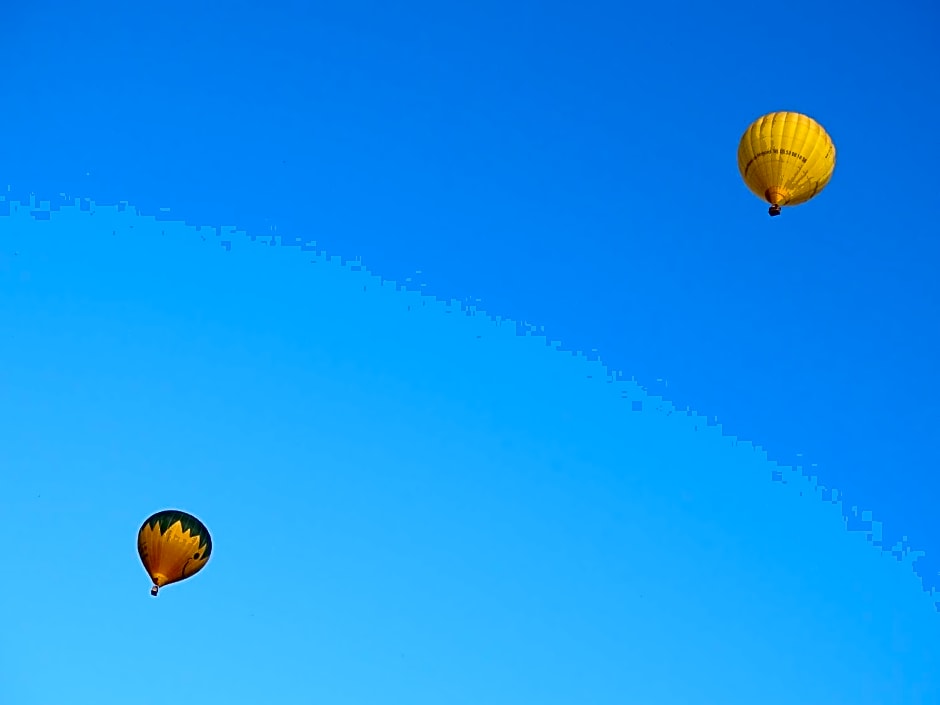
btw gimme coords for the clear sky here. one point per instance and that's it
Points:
(414, 504)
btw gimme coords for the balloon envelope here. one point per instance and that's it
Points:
(786, 158)
(173, 546)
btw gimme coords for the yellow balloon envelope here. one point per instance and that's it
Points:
(173, 546)
(786, 158)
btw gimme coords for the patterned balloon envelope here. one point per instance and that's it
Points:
(173, 545)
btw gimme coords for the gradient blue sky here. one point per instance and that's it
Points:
(413, 504)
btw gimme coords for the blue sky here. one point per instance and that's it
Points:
(414, 504)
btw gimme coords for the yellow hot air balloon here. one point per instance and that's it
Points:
(786, 158)
(173, 546)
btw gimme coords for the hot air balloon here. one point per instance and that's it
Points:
(786, 158)
(173, 546)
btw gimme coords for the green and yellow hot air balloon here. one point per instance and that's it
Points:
(173, 546)
(786, 158)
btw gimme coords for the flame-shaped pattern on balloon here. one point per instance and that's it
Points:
(173, 546)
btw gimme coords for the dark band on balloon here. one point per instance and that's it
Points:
(782, 152)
